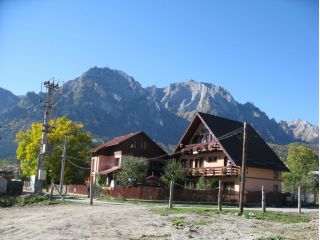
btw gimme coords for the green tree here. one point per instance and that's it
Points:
(132, 171)
(173, 171)
(78, 145)
(301, 161)
(202, 183)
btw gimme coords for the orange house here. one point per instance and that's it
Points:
(212, 147)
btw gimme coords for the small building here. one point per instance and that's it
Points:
(106, 158)
(212, 147)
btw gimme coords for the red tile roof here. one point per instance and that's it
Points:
(114, 141)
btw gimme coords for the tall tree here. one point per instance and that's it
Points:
(301, 161)
(78, 145)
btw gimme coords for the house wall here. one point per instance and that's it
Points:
(205, 157)
(257, 177)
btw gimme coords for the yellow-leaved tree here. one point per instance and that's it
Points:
(78, 146)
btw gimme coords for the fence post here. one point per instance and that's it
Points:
(171, 194)
(299, 199)
(219, 197)
(263, 199)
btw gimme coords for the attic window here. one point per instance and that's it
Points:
(133, 145)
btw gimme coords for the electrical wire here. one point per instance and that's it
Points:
(77, 165)
(227, 135)
(230, 134)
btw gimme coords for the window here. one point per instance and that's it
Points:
(212, 159)
(228, 186)
(225, 161)
(197, 163)
(184, 163)
(275, 174)
(209, 137)
(275, 188)
(116, 161)
(133, 145)
(201, 162)
(191, 163)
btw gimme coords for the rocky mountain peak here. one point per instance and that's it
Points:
(301, 129)
(8, 99)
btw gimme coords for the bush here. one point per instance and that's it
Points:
(7, 201)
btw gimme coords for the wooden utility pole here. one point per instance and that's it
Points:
(263, 200)
(299, 199)
(41, 173)
(51, 189)
(91, 190)
(171, 194)
(63, 161)
(243, 168)
(219, 197)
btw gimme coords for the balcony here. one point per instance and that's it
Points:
(213, 171)
(200, 147)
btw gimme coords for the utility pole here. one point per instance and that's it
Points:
(91, 189)
(299, 199)
(63, 160)
(219, 196)
(243, 167)
(41, 173)
(171, 194)
(263, 199)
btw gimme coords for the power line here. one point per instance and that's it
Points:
(77, 165)
(230, 134)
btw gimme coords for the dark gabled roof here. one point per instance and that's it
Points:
(259, 154)
(121, 139)
(115, 141)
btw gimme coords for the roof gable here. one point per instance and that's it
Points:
(259, 154)
(121, 139)
(115, 141)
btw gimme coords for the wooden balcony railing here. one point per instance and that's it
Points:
(200, 147)
(213, 171)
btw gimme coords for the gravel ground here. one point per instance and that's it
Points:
(78, 221)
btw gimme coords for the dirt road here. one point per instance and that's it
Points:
(77, 221)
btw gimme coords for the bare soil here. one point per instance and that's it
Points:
(76, 221)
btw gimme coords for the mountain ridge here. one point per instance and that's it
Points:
(104, 97)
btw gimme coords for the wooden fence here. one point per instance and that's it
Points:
(180, 194)
(78, 189)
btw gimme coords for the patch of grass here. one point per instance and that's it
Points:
(272, 238)
(30, 200)
(201, 223)
(268, 216)
(27, 200)
(178, 222)
(277, 216)
(154, 236)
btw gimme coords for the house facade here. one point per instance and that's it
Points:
(212, 147)
(107, 158)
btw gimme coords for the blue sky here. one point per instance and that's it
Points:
(262, 51)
